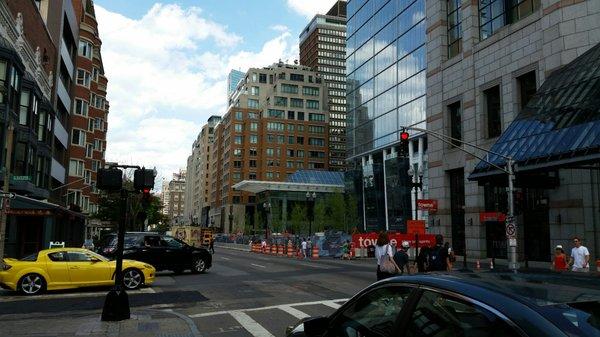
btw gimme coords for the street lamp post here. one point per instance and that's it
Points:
(310, 201)
(267, 208)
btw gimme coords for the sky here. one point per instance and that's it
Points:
(167, 64)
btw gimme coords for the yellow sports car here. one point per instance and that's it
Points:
(66, 268)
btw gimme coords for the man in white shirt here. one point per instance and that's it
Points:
(304, 246)
(580, 257)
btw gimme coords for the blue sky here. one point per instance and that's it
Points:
(167, 64)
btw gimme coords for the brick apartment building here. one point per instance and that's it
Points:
(277, 123)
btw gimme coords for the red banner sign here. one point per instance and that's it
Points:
(370, 239)
(492, 216)
(415, 227)
(430, 205)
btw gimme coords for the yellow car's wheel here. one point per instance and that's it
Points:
(31, 284)
(132, 278)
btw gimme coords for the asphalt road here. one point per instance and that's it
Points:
(243, 294)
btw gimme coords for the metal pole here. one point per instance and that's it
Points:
(6, 190)
(512, 244)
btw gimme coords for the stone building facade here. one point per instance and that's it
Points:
(484, 66)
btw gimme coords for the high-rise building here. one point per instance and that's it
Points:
(233, 79)
(88, 114)
(176, 197)
(276, 123)
(197, 183)
(521, 83)
(323, 48)
(386, 72)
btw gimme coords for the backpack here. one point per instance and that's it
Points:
(436, 259)
(385, 262)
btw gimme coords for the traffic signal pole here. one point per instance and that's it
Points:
(509, 171)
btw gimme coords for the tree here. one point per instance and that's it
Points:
(352, 217)
(337, 211)
(276, 222)
(321, 217)
(298, 218)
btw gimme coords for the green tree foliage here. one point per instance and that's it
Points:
(298, 219)
(337, 211)
(352, 217)
(321, 216)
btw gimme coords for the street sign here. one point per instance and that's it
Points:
(511, 227)
(21, 178)
(430, 205)
(512, 242)
(491, 216)
(10, 195)
(415, 227)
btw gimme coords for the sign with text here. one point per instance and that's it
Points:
(365, 240)
(492, 216)
(430, 205)
(415, 227)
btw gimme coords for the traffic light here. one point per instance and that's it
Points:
(145, 203)
(403, 150)
(143, 179)
(110, 179)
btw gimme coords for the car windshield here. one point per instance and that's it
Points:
(585, 316)
(130, 241)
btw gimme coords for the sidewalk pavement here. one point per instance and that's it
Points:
(143, 322)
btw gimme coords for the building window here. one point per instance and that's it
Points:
(238, 140)
(85, 49)
(239, 127)
(252, 115)
(239, 115)
(300, 117)
(495, 14)
(76, 168)
(300, 140)
(297, 77)
(95, 74)
(237, 164)
(297, 103)
(88, 177)
(316, 141)
(300, 153)
(262, 78)
(290, 153)
(310, 104)
(455, 118)
(254, 91)
(84, 78)
(493, 111)
(527, 88)
(269, 152)
(253, 152)
(316, 117)
(89, 148)
(237, 152)
(310, 91)
(291, 139)
(252, 176)
(24, 107)
(78, 137)
(253, 139)
(95, 165)
(454, 28)
(81, 107)
(269, 175)
(252, 103)
(289, 88)
(281, 101)
(252, 163)
(290, 115)
(275, 113)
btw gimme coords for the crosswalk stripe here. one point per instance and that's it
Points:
(331, 304)
(250, 325)
(293, 311)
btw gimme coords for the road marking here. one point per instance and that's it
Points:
(331, 304)
(250, 325)
(279, 306)
(17, 298)
(294, 312)
(258, 265)
(225, 258)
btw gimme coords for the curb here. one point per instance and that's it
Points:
(239, 247)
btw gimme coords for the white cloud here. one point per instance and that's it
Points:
(167, 74)
(310, 8)
(280, 28)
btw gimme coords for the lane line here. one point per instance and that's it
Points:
(331, 304)
(225, 258)
(257, 265)
(299, 304)
(294, 312)
(250, 325)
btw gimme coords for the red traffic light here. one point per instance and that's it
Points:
(404, 135)
(146, 191)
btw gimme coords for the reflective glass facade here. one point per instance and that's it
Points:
(385, 67)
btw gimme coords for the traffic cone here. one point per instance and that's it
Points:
(478, 266)
(279, 250)
(315, 252)
(290, 250)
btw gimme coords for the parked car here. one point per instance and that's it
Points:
(469, 304)
(162, 251)
(67, 268)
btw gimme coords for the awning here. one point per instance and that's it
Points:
(25, 206)
(559, 127)
(257, 186)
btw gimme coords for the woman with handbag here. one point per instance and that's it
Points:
(386, 266)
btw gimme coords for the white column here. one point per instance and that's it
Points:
(420, 168)
(385, 202)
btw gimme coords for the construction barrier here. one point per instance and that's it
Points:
(315, 252)
(290, 250)
(352, 251)
(273, 249)
(279, 250)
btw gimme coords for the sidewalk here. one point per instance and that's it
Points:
(143, 322)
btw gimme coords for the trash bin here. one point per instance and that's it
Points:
(371, 251)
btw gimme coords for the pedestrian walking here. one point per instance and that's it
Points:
(303, 246)
(438, 255)
(401, 257)
(421, 259)
(450, 258)
(263, 245)
(212, 245)
(560, 259)
(386, 266)
(580, 257)
(308, 248)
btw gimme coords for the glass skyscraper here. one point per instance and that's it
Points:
(386, 75)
